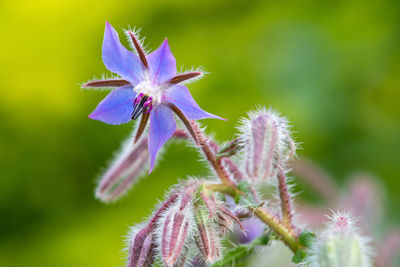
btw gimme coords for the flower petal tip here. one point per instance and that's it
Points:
(222, 119)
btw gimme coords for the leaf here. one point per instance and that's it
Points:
(241, 252)
(307, 239)
(299, 256)
(247, 199)
(234, 255)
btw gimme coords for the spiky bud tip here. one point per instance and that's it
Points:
(340, 244)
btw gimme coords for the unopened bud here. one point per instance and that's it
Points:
(128, 166)
(207, 239)
(141, 252)
(176, 229)
(267, 143)
(142, 240)
(340, 244)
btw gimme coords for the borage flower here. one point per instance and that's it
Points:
(149, 87)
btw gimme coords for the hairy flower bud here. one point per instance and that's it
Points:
(142, 250)
(340, 244)
(128, 166)
(267, 143)
(141, 244)
(207, 239)
(176, 229)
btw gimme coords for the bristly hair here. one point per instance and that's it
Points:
(267, 140)
(104, 76)
(340, 229)
(199, 69)
(141, 40)
(120, 155)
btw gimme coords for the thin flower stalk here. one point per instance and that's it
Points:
(197, 134)
(285, 199)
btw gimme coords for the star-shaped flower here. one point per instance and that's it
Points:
(149, 86)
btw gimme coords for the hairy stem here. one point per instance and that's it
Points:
(202, 141)
(285, 200)
(285, 233)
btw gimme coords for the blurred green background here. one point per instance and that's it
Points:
(333, 68)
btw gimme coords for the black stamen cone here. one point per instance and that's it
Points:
(138, 108)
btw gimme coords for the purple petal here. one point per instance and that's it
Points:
(118, 59)
(162, 64)
(117, 107)
(162, 126)
(253, 228)
(180, 96)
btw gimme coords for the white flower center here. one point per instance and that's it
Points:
(149, 89)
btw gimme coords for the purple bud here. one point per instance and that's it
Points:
(267, 143)
(253, 228)
(129, 165)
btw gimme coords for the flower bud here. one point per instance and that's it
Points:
(141, 252)
(142, 240)
(340, 244)
(176, 229)
(267, 143)
(128, 166)
(207, 239)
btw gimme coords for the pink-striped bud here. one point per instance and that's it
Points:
(209, 200)
(176, 228)
(267, 143)
(141, 251)
(129, 165)
(207, 239)
(142, 245)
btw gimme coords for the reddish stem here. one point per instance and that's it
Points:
(285, 200)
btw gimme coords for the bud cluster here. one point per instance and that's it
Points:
(195, 217)
(191, 222)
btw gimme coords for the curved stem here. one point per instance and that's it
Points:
(202, 141)
(286, 234)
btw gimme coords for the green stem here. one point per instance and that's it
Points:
(286, 234)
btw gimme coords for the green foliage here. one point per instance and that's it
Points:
(240, 253)
(299, 256)
(247, 199)
(307, 239)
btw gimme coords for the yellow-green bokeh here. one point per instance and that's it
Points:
(331, 67)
